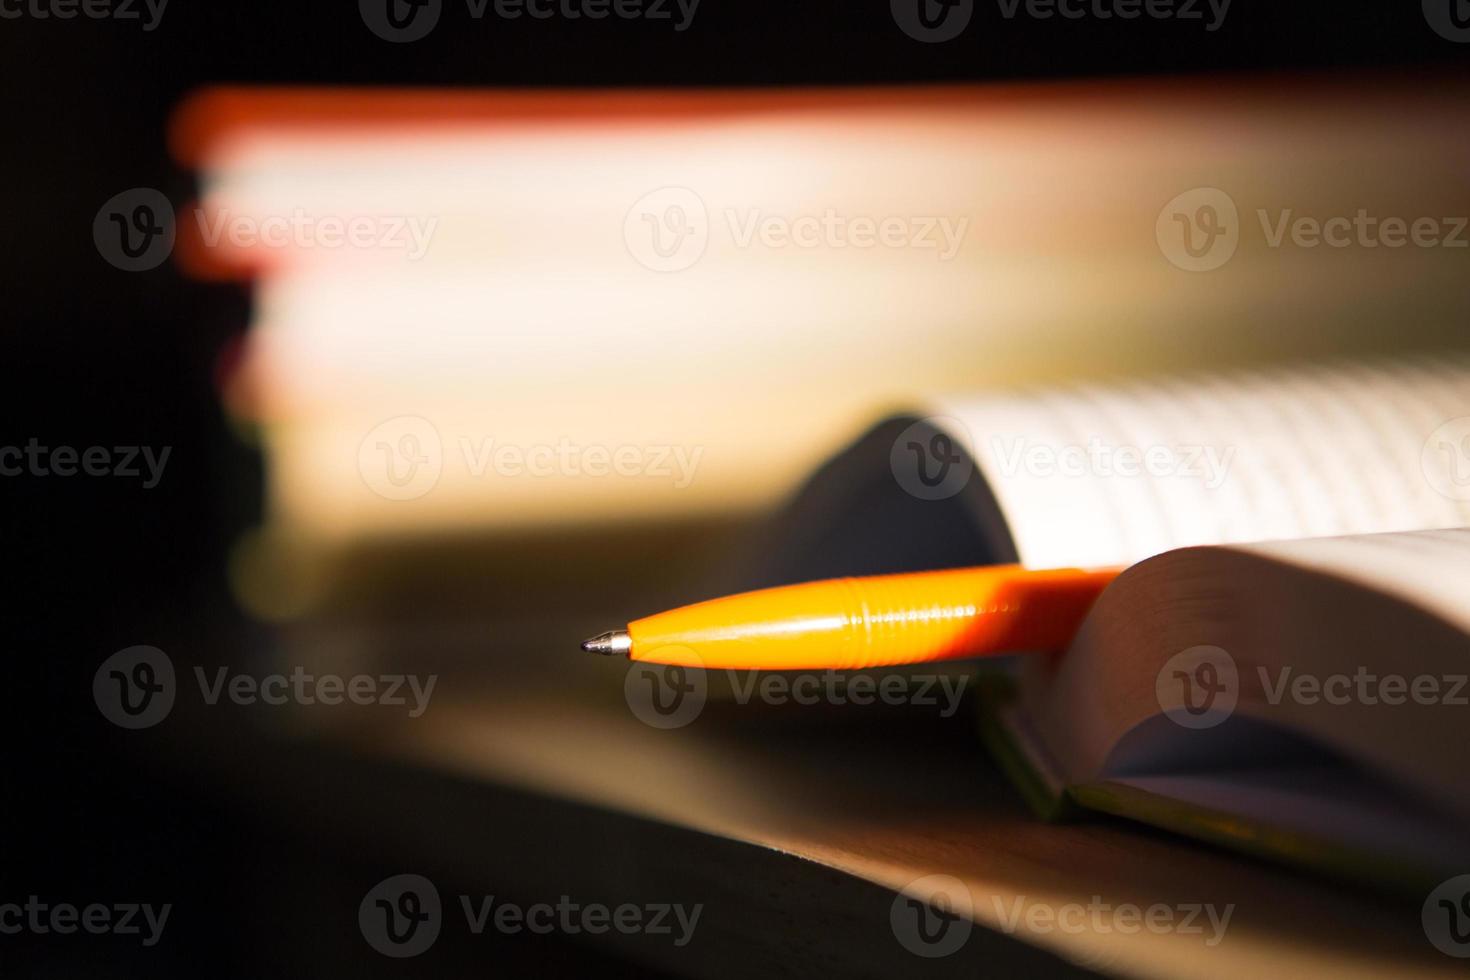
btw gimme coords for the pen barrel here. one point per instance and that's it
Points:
(853, 623)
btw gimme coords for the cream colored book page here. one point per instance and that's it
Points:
(1430, 569)
(1096, 476)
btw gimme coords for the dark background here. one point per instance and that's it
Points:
(96, 356)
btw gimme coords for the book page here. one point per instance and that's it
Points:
(1429, 569)
(1312, 638)
(1097, 475)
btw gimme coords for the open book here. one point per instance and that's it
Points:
(1304, 697)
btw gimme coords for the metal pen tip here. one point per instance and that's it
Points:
(609, 644)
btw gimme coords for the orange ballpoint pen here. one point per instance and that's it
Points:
(877, 621)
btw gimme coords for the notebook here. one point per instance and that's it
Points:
(1281, 668)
